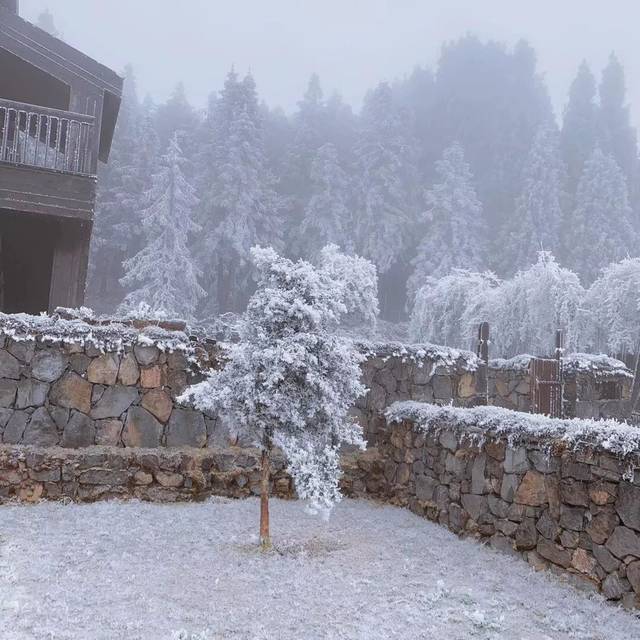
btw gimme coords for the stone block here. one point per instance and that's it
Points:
(526, 535)
(466, 386)
(151, 377)
(104, 369)
(607, 560)
(114, 402)
(79, 362)
(146, 354)
(457, 517)
(583, 562)
(508, 487)
(574, 492)
(497, 506)
(476, 506)
(532, 490)
(442, 387)
(602, 493)
(23, 350)
(141, 429)
(186, 428)
(72, 392)
(516, 460)
(8, 389)
(31, 393)
(628, 505)
(104, 476)
(129, 371)
(109, 432)
(633, 575)
(79, 432)
(425, 487)
(547, 526)
(10, 366)
(479, 484)
(168, 479)
(15, 427)
(158, 403)
(554, 553)
(41, 430)
(602, 525)
(48, 365)
(572, 518)
(543, 461)
(614, 587)
(623, 542)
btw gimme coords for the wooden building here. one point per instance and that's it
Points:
(58, 111)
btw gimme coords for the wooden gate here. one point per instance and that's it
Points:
(546, 386)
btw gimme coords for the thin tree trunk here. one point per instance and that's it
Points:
(265, 536)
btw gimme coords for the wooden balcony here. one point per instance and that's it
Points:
(48, 160)
(47, 138)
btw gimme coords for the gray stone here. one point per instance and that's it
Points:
(449, 440)
(79, 432)
(515, 460)
(607, 561)
(8, 390)
(547, 526)
(424, 488)
(72, 392)
(114, 402)
(105, 476)
(10, 366)
(602, 525)
(624, 542)
(186, 428)
(108, 433)
(48, 365)
(554, 553)
(478, 480)
(104, 369)
(5, 416)
(23, 350)
(41, 430)
(129, 372)
(457, 517)
(633, 575)
(146, 355)
(572, 518)
(60, 416)
(614, 587)
(508, 487)
(628, 505)
(574, 492)
(475, 505)
(502, 543)
(14, 430)
(442, 387)
(31, 393)
(526, 535)
(79, 362)
(498, 507)
(141, 429)
(543, 461)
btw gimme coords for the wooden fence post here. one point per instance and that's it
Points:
(483, 353)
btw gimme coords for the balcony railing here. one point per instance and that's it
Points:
(47, 138)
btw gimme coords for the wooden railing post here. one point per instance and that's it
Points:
(482, 398)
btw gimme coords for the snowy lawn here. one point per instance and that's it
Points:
(132, 570)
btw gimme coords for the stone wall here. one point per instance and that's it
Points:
(571, 508)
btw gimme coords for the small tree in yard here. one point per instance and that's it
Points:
(291, 380)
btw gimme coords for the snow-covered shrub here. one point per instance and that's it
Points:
(530, 307)
(164, 271)
(359, 280)
(613, 307)
(447, 310)
(291, 380)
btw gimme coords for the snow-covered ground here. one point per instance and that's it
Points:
(142, 571)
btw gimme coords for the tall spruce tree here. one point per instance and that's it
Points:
(163, 274)
(601, 229)
(454, 233)
(240, 207)
(383, 206)
(537, 222)
(117, 221)
(579, 126)
(617, 136)
(327, 215)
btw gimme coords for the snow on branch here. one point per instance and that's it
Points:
(478, 423)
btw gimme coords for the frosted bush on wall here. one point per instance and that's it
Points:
(291, 380)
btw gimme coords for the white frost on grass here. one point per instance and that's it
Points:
(153, 572)
(476, 423)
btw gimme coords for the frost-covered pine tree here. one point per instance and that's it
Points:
(327, 216)
(527, 310)
(453, 223)
(163, 271)
(383, 211)
(360, 283)
(613, 304)
(537, 222)
(600, 226)
(290, 380)
(240, 207)
(448, 310)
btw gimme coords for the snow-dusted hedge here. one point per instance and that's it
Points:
(479, 422)
(112, 336)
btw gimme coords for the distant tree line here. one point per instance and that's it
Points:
(464, 167)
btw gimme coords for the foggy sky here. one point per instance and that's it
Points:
(351, 44)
